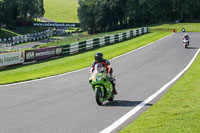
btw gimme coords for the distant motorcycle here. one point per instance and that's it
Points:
(185, 43)
(101, 84)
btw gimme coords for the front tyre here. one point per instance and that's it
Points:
(186, 45)
(99, 96)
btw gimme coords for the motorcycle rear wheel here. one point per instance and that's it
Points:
(112, 97)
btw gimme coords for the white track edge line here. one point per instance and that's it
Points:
(121, 120)
(23, 82)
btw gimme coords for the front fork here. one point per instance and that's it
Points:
(102, 89)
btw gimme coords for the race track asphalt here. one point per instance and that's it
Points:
(66, 103)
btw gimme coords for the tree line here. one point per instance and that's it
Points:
(12, 11)
(107, 15)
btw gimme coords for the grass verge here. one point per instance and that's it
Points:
(61, 10)
(70, 63)
(5, 33)
(189, 27)
(177, 111)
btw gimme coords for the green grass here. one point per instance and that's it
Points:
(59, 66)
(189, 27)
(61, 10)
(5, 33)
(70, 63)
(177, 112)
(57, 10)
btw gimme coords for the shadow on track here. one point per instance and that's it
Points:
(192, 47)
(124, 103)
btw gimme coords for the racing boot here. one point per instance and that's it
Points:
(115, 91)
(113, 80)
(114, 88)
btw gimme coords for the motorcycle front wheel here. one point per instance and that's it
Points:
(99, 96)
(186, 45)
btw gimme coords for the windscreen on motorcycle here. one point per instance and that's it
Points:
(185, 40)
(99, 68)
(99, 71)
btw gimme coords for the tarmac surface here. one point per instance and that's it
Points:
(66, 103)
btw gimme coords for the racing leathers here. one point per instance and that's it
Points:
(106, 64)
(187, 38)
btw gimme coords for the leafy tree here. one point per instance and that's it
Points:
(1, 12)
(41, 10)
(12, 11)
(30, 9)
(114, 14)
(105, 15)
(86, 15)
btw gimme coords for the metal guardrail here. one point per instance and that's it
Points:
(69, 49)
(6, 42)
(102, 41)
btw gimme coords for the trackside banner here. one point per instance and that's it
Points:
(43, 53)
(52, 24)
(48, 24)
(11, 58)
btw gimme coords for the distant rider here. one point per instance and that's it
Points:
(99, 59)
(187, 38)
(183, 29)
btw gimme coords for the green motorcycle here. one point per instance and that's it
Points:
(101, 84)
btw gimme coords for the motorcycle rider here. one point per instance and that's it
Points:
(187, 38)
(183, 29)
(99, 59)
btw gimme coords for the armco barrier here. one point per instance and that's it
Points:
(26, 38)
(74, 48)
(70, 49)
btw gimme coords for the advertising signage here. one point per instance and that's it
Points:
(53, 24)
(49, 24)
(11, 58)
(43, 53)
